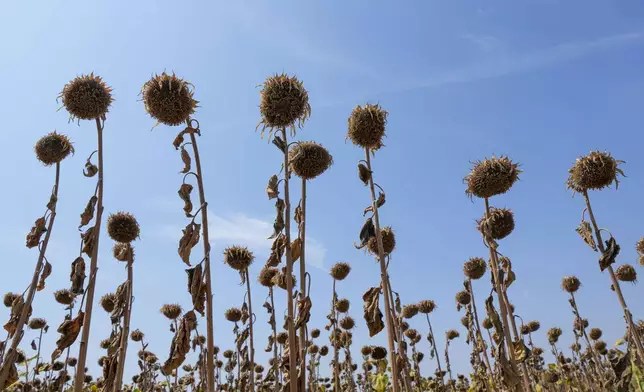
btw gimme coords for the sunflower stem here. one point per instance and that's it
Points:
(303, 293)
(125, 332)
(250, 326)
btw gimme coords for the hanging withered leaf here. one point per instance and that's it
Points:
(46, 271)
(121, 302)
(90, 169)
(493, 315)
(33, 238)
(379, 203)
(88, 241)
(12, 372)
(184, 194)
(272, 188)
(88, 213)
(244, 313)
(364, 173)
(241, 338)
(51, 205)
(279, 143)
(178, 140)
(68, 331)
(269, 345)
(398, 303)
(509, 377)
(277, 251)
(188, 241)
(506, 266)
(372, 313)
(180, 345)
(298, 216)
(33, 345)
(278, 225)
(185, 158)
(521, 351)
(303, 312)
(367, 231)
(296, 249)
(77, 275)
(197, 288)
(610, 253)
(16, 310)
(586, 233)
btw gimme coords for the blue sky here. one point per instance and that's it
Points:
(541, 81)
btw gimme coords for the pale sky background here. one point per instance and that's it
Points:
(542, 81)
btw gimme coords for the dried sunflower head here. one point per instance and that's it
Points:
(426, 306)
(340, 271)
(594, 171)
(108, 301)
(105, 343)
(474, 268)
(366, 350)
(534, 325)
(465, 321)
(315, 333)
(171, 311)
(378, 352)
(411, 334)
(452, 334)
(347, 323)
(284, 102)
(58, 366)
(324, 350)
(71, 361)
(136, 335)
(86, 97)
(228, 354)
(580, 324)
(418, 357)
(200, 340)
(553, 334)
(64, 296)
(595, 333)
(20, 356)
(314, 349)
(281, 281)
(367, 126)
(600, 345)
(238, 258)
(259, 368)
(168, 99)
(309, 159)
(9, 298)
(409, 311)
(626, 273)
(123, 227)
(233, 315)
(53, 148)
(463, 297)
(550, 377)
(525, 329)
(123, 252)
(487, 323)
(388, 241)
(570, 284)
(282, 337)
(342, 305)
(404, 326)
(266, 276)
(499, 224)
(37, 323)
(491, 176)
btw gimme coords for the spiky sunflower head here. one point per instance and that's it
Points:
(553, 334)
(123, 252)
(37, 323)
(580, 324)
(491, 176)
(284, 102)
(487, 323)
(108, 302)
(233, 315)
(409, 311)
(347, 323)
(570, 284)
(122, 227)
(600, 345)
(315, 333)
(340, 271)
(367, 126)
(474, 268)
(595, 333)
(594, 171)
(171, 311)
(86, 97)
(282, 337)
(168, 99)
(136, 335)
(426, 306)
(281, 280)
(64, 296)
(378, 353)
(452, 334)
(342, 305)
(411, 334)
(463, 297)
(9, 298)
(366, 350)
(626, 273)
(266, 276)
(53, 148)
(498, 224)
(309, 159)
(388, 241)
(534, 325)
(238, 258)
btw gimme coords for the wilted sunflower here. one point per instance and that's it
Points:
(347, 323)
(367, 126)
(9, 298)
(281, 281)
(411, 334)
(626, 273)
(596, 171)
(233, 315)
(315, 333)
(238, 258)
(452, 334)
(580, 324)
(136, 335)
(105, 344)
(123, 252)
(550, 377)
(340, 271)
(171, 311)
(600, 345)
(487, 323)
(259, 368)
(228, 354)
(71, 361)
(465, 321)
(463, 297)
(64, 296)
(86, 97)
(534, 325)
(474, 268)
(418, 357)
(37, 323)
(499, 224)
(284, 101)
(426, 306)
(342, 305)
(122, 227)
(570, 284)
(553, 334)
(309, 159)
(53, 148)
(595, 333)
(266, 276)
(388, 241)
(525, 329)
(282, 337)
(108, 301)
(366, 350)
(409, 311)
(492, 176)
(58, 366)
(168, 99)
(378, 352)
(324, 350)
(313, 349)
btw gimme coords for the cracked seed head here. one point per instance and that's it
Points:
(388, 241)
(367, 126)
(426, 306)
(122, 227)
(378, 352)
(238, 258)
(491, 176)
(233, 315)
(500, 223)
(309, 159)
(108, 301)
(340, 271)
(171, 311)
(570, 284)
(463, 297)
(594, 171)
(37, 323)
(168, 99)
(342, 305)
(64, 296)
(86, 97)
(284, 102)
(409, 311)
(626, 273)
(53, 148)
(266, 276)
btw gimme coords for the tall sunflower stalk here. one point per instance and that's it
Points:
(265, 278)
(339, 272)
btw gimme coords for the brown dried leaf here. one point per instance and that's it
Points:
(77, 276)
(185, 158)
(379, 203)
(90, 169)
(271, 342)
(197, 288)
(180, 345)
(281, 144)
(184, 194)
(69, 331)
(88, 241)
(16, 310)
(88, 213)
(245, 315)
(278, 225)
(372, 313)
(188, 241)
(33, 238)
(586, 234)
(178, 140)
(121, 302)
(303, 312)
(364, 173)
(271, 189)
(610, 253)
(493, 315)
(241, 338)
(296, 249)
(51, 205)
(33, 345)
(299, 214)
(521, 351)
(506, 266)
(46, 271)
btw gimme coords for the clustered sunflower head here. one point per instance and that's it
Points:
(266, 276)
(452, 334)
(463, 297)
(86, 97)
(53, 148)
(340, 271)
(342, 305)
(499, 224)
(388, 241)
(367, 126)
(123, 227)
(284, 101)
(426, 306)
(238, 258)
(474, 268)
(553, 334)
(409, 311)
(108, 301)
(594, 171)
(534, 325)
(595, 333)
(64, 296)
(491, 176)
(136, 335)
(309, 159)
(570, 284)
(171, 311)
(233, 315)
(168, 99)
(378, 352)
(626, 273)
(37, 323)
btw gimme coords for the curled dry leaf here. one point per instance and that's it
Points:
(180, 345)
(188, 241)
(493, 316)
(271, 189)
(77, 276)
(90, 169)
(184, 194)
(279, 143)
(51, 205)
(506, 266)
(296, 249)
(269, 345)
(88, 213)
(367, 231)
(241, 338)
(521, 351)
(298, 216)
(372, 313)
(120, 302)
(33, 238)
(33, 345)
(277, 251)
(364, 173)
(16, 309)
(610, 253)
(278, 225)
(88, 241)
(303, 312)
(185, 158)
(586, 234)
(379, 203)
(68, 331)
(46, 271)
(245, 315)
(197, 288)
